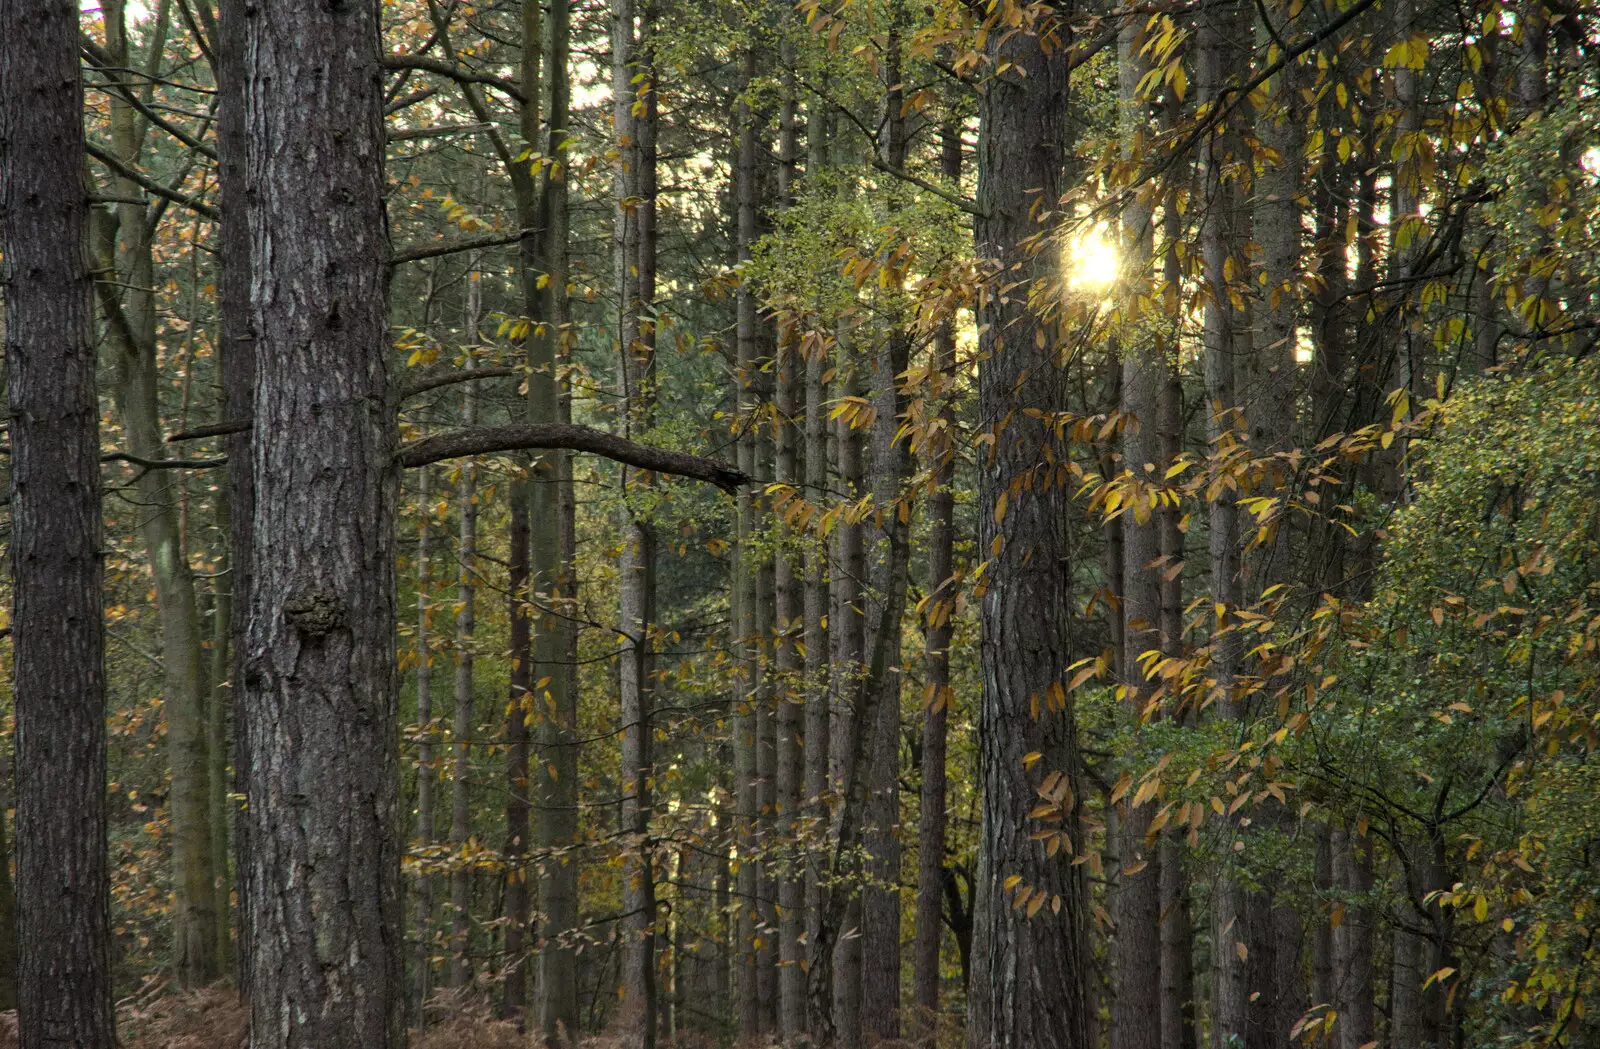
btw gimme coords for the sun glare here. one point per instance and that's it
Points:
(1091, 260)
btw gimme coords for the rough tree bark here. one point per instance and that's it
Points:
(1029, 974)
(938, 621)
(318, 684)
(63, 884)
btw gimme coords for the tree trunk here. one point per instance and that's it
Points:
(318, 687)
(1352, 942)
(237, 364)
(817, 626)
(129, 303)
(63, 883)
(1136, 896)
(938, 617)
(746, 788)
(465, 721)
(633, 114)
(790, 571)
(1029, 973)
(427, 775)
(891, 465)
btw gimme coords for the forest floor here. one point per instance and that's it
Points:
(216, 1019)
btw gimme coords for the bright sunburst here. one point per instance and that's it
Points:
(1090, 259)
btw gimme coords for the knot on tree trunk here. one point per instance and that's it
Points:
(315, 612)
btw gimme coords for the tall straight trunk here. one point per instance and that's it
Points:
(818, 662)
(427, 776)
(237, 363)
(891, 465)
(553, 560)
(938, 621)
(318, 688)
(219, 700)
(1352, 942)
(465, 721)
(633, 113)
(1029, 984)
(1226, 339)
(1178, 1027)
(130, 309)
(1136, 899)
(63, 883)
(523, 707)
(8, 925)
(747, 794)
(849, 647)
(789, 568)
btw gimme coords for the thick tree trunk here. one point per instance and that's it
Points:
(1029, 973)
(318, 685)
(63, 884)
(938, 620)
(1352, 942)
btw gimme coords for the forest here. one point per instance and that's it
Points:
(683, 524)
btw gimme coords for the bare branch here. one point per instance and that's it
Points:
(433, 382)
(221, 429)
(486, 440)
(451, 72)
(150, 185)
(418, 252)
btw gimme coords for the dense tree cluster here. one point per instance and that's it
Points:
(1021, 525)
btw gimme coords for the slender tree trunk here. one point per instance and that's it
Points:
(1029, 985)
(63, 883)
(130, 308)
(790, 571)
(634, 109)
(849, 639)
(553, 556)
(427, 775)
(744, 579)
(237, 364)
(938, 620)
(464, 710)
(891, 465)
(318, 688)
(523, 707)
(1136, 899)
(819, 670)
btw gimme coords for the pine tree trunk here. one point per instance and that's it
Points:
(938, 619)
(318, 685)
(58, 670)
(790, 570)
(465, 720)
(237, 363)
(427, 775)
(1029, 973)
(891, 465)
(1352, 942)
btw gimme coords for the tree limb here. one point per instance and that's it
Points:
(484, 440)
(450, 72)
(418, 252)
(150, 185)
(433, 382)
